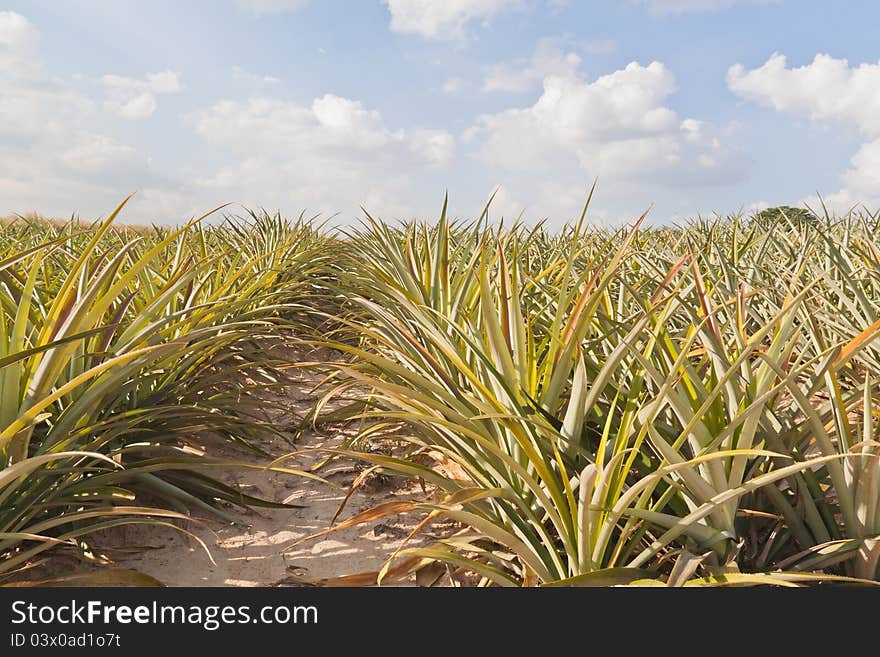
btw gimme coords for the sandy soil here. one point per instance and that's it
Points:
(255, 553)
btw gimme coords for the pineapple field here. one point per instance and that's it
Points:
(690, 405)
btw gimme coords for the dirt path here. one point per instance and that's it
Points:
(255, 554)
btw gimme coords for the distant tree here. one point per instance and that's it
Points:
(795, 215)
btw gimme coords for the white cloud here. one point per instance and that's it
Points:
(443, 19)
(35, 108)
(16, 33)
(18, 40)
(616, 127)
(240, 74)
(271, 6)
(757, 207)
(54, 160)
(90, 153)
(130, 98)
(827, 90)
(547, 59)
(686, 6)
(331, 125)
(432, 146)
(332, 155)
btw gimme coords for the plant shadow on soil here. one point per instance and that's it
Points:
(253, 551)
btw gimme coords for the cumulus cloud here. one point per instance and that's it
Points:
(547, 59)
(827, 90)
(434, 147)
(131, 98)
(91, 153)
(443, 19)
(615, 126)
(18, 41)
(54, 158)
(331, 155)
(330, 125)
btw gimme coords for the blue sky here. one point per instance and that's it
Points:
(685, 106)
